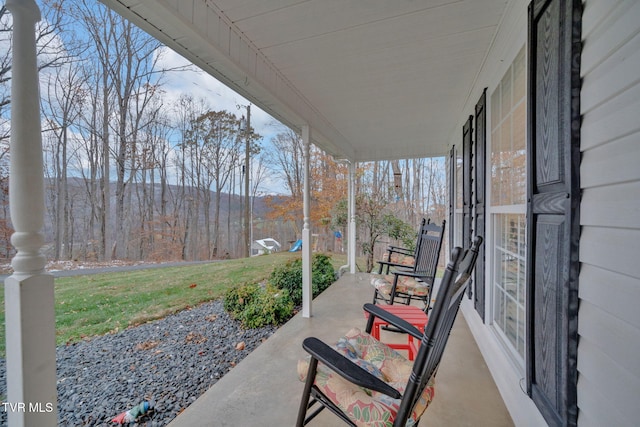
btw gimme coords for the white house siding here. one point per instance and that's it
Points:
(609, 317)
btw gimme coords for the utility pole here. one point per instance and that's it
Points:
(247, 225)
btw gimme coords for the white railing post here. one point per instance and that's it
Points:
(307, 294)
(29, 299)
(351, 211)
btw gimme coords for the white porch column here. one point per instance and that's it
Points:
(307, 294)
(29, 300)
(351, 212)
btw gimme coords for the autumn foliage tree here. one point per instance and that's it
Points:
(374, 220)
(391, 197)
(328, 184)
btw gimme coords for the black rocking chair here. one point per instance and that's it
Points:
(366, 383)
(397, 256)
(412, 282)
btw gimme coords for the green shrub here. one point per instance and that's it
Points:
(237, 298)
(256, 307)
(322, 273)
(272, 307)
(289, 276)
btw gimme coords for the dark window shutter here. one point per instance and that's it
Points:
(452, 197)
(553, 149)
(467, 207)
(480, 156)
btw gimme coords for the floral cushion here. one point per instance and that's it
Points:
(365, 407)
(406, 285)
(397, 258)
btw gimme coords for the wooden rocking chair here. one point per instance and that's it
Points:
(410, 313)
(413, 282)
(365, 382)
(397, 256)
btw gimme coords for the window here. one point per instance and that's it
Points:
(508, 206)
(457, 226)
(509, 252)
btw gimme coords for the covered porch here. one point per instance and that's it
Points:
(381, 80)
(264, 388)
(364, 84)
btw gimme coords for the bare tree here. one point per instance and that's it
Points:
(214, 138)
(132, 73)
(186, 111)
(63, 103)
(159, 151)
(96, 23)
(289, 156)
(51, 54)
(50, 51)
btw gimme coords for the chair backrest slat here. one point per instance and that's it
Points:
(428, 249)
(423, 224)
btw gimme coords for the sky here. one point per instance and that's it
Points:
(202, 85)
(199, 84)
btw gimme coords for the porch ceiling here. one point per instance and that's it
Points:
(375, 79)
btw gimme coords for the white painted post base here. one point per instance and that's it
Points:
(351, 248)
(31, 351)
(307, 291)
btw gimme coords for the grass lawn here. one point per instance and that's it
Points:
(96, 304)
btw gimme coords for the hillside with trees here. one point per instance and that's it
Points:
(134, 174)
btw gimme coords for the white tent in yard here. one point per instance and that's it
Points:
(264, 246)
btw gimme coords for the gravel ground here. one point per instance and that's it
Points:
(170, 362)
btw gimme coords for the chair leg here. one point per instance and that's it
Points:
(306, 394)
(427, 301)
(370, 321)
(392, 297)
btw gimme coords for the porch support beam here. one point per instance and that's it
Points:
(351, 212)
(29, 299)
(307, 294)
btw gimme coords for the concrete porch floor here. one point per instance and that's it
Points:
(264, 389)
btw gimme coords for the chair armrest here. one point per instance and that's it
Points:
(415, 274)
(346, 368)
(399, 249)
(392, 319)
(393, 264)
